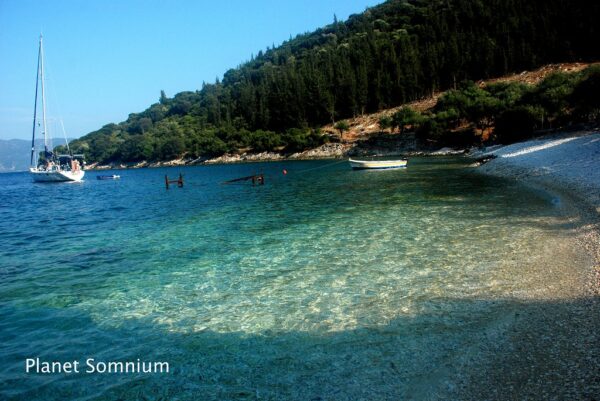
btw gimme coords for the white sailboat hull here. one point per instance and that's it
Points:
(56, 175)
(63, 168)
(377, 164)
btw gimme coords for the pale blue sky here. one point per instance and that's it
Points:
(108, 58)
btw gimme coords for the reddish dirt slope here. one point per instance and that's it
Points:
(362, 126)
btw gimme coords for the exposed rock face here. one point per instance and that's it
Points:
(169, 163)
(328, 150)
(245, 157)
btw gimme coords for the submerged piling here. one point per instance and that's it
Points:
(256, 179)
(178, 181)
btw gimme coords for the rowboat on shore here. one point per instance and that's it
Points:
(377, 164)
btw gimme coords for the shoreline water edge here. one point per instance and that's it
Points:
(565, 165)
(551, 352)
(323, 152)
(548, 345)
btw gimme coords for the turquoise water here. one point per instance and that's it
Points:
(323, 284)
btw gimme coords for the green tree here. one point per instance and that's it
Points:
(518, 123)
(586, 95)
(553, 94)
(483, 111)
(163, 98)
(171, 148)
(406, 117)
(385, 122)
(262, 141)
(342, 126)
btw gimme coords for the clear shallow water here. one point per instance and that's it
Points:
(325, 283)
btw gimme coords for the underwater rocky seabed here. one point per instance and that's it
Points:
(324, 284)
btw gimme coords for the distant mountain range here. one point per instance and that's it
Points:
(15, 154)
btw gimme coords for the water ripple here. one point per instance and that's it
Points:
(283, 290)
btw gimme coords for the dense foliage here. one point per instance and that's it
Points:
(393, 53)
(504, 112)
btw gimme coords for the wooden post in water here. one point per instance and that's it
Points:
(256, 179)
(178, 181)
(260, 179)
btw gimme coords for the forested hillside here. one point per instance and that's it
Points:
(393, 53)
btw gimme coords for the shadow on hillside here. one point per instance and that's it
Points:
(385, 143)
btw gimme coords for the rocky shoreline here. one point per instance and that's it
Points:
(326, 151)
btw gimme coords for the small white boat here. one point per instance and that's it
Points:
(377, 164)
(108, 177)
(50, 167)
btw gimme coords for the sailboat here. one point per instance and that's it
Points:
(49, 167)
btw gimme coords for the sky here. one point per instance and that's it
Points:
(105, 59)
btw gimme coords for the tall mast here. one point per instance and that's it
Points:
(37, 79)
(43, 97)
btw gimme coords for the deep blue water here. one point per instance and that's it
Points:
(325, 283)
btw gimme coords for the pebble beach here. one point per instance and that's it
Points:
(552, 349)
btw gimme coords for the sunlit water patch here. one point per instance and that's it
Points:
(324, 282)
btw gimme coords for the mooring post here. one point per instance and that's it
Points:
(178, 181)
